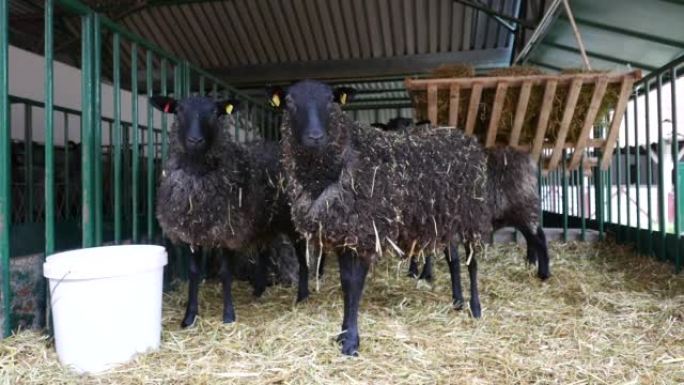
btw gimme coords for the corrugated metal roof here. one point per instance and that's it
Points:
(243, 39)
(618, 34)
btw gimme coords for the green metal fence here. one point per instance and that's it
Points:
(639, 198)
(109, 196)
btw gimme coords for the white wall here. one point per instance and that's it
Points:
(26, 72)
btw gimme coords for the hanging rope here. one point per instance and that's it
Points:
(578, 37)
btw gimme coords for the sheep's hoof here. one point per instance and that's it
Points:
(543, 275)
(259, 291)
(475, 309)
(458, 304)
(188, 320)
(426, 276)
(302, 296)
(350, 346)
(228, 318)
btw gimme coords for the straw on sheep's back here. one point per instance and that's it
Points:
(372, 190)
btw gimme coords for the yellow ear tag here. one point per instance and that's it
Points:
(343, 99)
(275, 100)
(229, 109)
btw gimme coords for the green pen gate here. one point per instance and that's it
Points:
(114, 186)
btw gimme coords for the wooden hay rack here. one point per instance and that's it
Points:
(545, 87)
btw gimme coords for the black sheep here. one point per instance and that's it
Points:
(512, 180)
(215, 192)
(514, 201)
(361, 191)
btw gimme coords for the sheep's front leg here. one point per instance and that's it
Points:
(227, 280)
(352, 276)
(303, 284)
(454, 263)
(193, 287)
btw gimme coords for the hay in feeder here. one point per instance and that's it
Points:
(536, 99)
(606, 316)
(419, 98)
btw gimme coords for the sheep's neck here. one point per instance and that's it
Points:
(198, 165)
(317, 170)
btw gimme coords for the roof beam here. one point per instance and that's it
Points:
(501, 18)
(628, 32)
(601, 56)
(359, 68)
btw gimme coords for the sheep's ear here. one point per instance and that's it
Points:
(343, 95)
(276, 96)
(226, 107)
(164, 104)
(381, 126)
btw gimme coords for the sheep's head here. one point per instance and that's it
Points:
(309, 105)
(198, 120)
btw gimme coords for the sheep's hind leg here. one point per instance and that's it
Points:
(475, 308)
(455, 271)
(531, 241)
(413, 267)
(426, 274)
(352, 276)
(303, 284)
(193, 288)
(321, 265)
(227, 280)
(543, 270)
(260, 280)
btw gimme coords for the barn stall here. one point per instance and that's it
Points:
(82, 153)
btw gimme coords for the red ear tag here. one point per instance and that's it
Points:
(167, 107)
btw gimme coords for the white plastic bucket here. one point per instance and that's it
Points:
(106, 304)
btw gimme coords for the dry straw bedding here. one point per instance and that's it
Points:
(606, 316)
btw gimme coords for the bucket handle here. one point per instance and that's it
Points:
(59, 281)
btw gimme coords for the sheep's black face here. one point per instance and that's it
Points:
(309, 104)
(198, 124)
(198, 120)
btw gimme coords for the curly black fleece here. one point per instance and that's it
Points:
(232, 199)
(368, 189)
